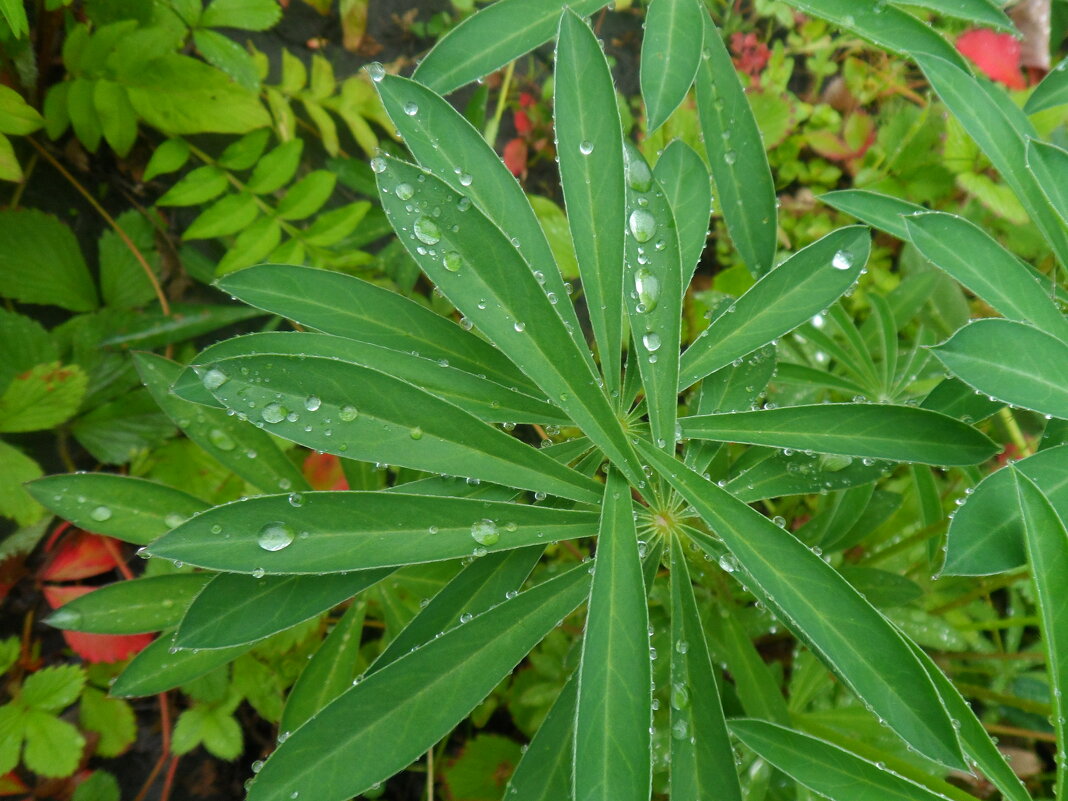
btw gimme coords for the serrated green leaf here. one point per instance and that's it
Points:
(803, 285)
(1033, 378)
(24, 343)
(16, 468)
(123, 280)
(111, 718)
(131, 607)
(612, 741)
(196, 187)
(42, 398)
(383, 723)
(1051, 92)
(685, 181)
(100, 786)
(491, 38)
(53, 747)
(226, 216)
(212, 726)
(361, 530)
(671, 54)
(51, 689)
(276, 168)
(307, 195)
(819, 606)
(745, 192)
(590, 151)
(229, 56)
(171, 155)
(235, 609)
(868, 430)
(161, 667)
(41, 262)
(702, 761)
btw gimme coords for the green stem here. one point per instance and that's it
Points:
(493, 126)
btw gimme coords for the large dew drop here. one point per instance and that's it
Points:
(274, 412)
(484, 532)
(214, 378)
(348, 413)
(221, 440)
(651, 340)
(639, 176)
(647, 286)
(842, 260)
(275, 537)
(426, 231)
(642, 225)
(452, 261)
(100, 514)
(404, 191)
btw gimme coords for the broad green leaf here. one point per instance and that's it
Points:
(482, 584)
(1031, 377)
(590, 151)
(124, 283)
(236, 610)
(955, 398)
(53, 688)
(252, 245)
(243, 448)
(702, 761)
(1001, 130)
(245, 152)
(82, 111)
(981, 12)
(42, 397)
(248, 15)
(41, 262)
(803, 285)
(975, 259)
(226, 216)
(360, 530)
(116, 431)
(831, 771)
(113, 720)
(770, 473)
(852, 638)
(482, 274)
(170, 156)
(229, 56)
(16, 115)
(685, 181)
(154, 329)
(745, 191)
(16, 468)
(53, 746)
(131, 607)
(196, 187)
(487, 400)
(353, 411)
(653, 295)
(862, 430)
(1051, 92)
(15, 16)
(491, 38)
(307, 195)
(671, 53)
(277, 168)
(445, 143)
(881, 211)
(118, 120)
(1046, 539)
(349, 307)
(612, 742)
(161, 667)
(387, 720)
(544, 771)
(1047, 164)
(332, 226)
(328, 673)
(986, 534)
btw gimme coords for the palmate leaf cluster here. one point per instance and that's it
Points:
(373, 377)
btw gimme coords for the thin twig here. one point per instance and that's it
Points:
(430, 774)
(120, 562)
(1012, 731)
(168, 780)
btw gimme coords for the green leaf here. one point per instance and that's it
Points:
(328, 673)
(100, 786)
(671, 54)
(881, 211)
(170, 156)
(830, 771)
(387, 720)
(981, 12)
(212, 726)
(161, 667)
(706, 770)
(544, 771)
(850, 636)
(590, 151)
(16, 115)
(9, 163)
(1047, 554)
(360, 530)
(975, 259)
(24, 344)
(491, 38)
(131, 607)
(111, 718)
(307, 195)
(612, 742)
(482, 768)
(445, 143)
(802, 286)
(118, 120)
(868, 430)
(229, 56)
(1047, 164)
(53, 688)
(116, 431)
(332, 226)
(248, 15)
(15, 469)
(986, 534)
(252, 245)
(235, 609)
(1034, 376)
(685, 181)
(277, 168)
(745, 191)
(41, 262)
(769, 473)
(196, 187)
(483, 275)
(82, 111)
(349, 307)
(42, 398)
(364, 414)
(12, 732)
(226, 438)
(53, 747)
(179, 95)
(15, 16)
(245, 152)
(123, 280)
(1051, 92)
(226, 216)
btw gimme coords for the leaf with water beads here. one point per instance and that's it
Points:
(131, 607)
(334, 532)
(161, 667)
(684, 178)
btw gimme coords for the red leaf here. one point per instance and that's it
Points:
(522, 123)
(80, 555)
(997, 55)
(94, 647)
(750, 54)
(515, 156)
(323, 472)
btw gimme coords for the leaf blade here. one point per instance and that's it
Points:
(671, 54)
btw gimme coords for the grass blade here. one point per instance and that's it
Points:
(862, 430)
(671, 53)
(612, 742)
(389, 719)
(589, 145)
(361, 530)
(745, 191)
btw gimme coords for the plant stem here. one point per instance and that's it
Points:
(1013, 428)
(493, 126)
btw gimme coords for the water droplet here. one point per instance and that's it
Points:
(647, 286)
(682, 646)
(274, 412)
(426, 230)
(651, 340)
(728, 564)
(221, 440)
(585, 147)
(466, 617)
(214, 378)
(257, 766)
(275, 536)
(680, 730)
(416, 433)
(484, 532)
(642, 225)
(296, 499)
(465, 179)
(100, 514)
(259, 573)
(680, 696)
(312, 403)
(405, 191)
(173, 520)
(842, 260)
(452, 261)
(348, 413)
(730, 157)
(378, 164)
(639, 176)
(411, 108)
(519, 327)
(376, 71)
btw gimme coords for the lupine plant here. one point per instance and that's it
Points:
(666, 448)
